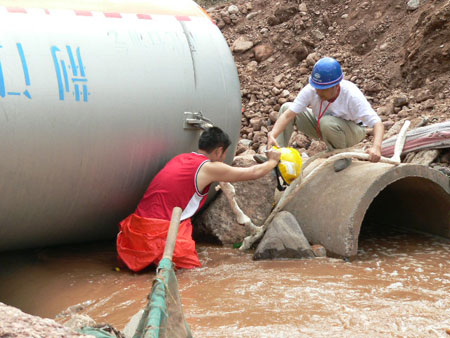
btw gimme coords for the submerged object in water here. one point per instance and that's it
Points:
(93, 99)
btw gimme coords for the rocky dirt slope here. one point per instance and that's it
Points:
(397, 52)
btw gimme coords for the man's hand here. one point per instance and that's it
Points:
(374, 153)
(287, 117)
(271, 141)
(274, 155)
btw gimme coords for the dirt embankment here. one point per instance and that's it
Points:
(397, 52)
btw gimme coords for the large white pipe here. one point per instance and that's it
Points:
(93, 96)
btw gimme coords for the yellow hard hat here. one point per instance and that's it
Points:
(290, 165)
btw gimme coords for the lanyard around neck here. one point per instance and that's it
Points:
(322, 113)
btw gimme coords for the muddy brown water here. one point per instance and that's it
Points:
(397, 286)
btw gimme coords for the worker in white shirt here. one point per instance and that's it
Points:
(331, 109)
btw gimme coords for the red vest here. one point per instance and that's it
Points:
(175, 186)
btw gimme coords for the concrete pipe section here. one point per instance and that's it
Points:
(332, 206)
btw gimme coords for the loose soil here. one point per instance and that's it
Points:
(397, 54)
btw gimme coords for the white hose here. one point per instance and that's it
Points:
(241, 218)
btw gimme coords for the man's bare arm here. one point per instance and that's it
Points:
(219, 171)
(279, 126)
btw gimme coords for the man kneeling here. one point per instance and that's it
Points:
(183, 182)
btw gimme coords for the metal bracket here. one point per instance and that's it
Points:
(196, 120)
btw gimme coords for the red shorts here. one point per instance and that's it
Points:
(141, 242)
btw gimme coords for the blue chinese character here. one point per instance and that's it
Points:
(71, 71)
(26, 74)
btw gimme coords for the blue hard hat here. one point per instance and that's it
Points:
(326, 73)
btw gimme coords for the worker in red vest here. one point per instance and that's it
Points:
(183, 182)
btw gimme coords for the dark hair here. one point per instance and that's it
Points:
(213, 138)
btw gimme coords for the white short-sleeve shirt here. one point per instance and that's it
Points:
(350, 105)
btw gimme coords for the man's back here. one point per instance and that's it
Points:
(174, 186)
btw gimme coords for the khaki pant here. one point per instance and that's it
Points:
(337, 133)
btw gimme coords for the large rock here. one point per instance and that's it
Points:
(283, 239)
(283, 14)
(424, 157)
(302, 141)
(412, 5)
(317, 34)
(312, 58)
(263, 52)
(256, 123)
(300, 52)
(15, 323)
(316, 147)
(241, 45)
(273, 21)
(233, 9)
(400, 100)
(255, 198)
